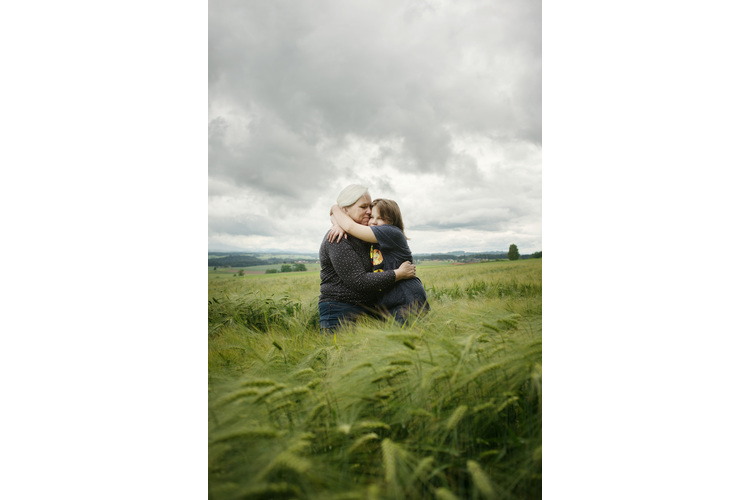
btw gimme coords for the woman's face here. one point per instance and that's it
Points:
(360, 211)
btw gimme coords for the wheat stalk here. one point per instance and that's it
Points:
(481, 480)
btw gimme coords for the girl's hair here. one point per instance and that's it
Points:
(389, 212)
(350, 195)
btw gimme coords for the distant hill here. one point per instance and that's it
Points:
(234, 260)
(247, 259)
(462, 256)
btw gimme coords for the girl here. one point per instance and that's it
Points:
(386, 230)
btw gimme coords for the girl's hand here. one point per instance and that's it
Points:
(335, 234)
(405, 271)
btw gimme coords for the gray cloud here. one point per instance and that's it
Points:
(272, 159)
(241, 225)
(293, 85)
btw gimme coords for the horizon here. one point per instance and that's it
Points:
(296, 252)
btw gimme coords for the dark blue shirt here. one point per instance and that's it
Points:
(395, 251)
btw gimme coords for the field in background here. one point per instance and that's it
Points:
(448, 407)
(256, 270)
(311, 268)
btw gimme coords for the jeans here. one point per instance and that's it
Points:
(333, 313)
(404, 313)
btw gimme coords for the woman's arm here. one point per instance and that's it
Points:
(406, 271)
(364, 233)
(352, 272)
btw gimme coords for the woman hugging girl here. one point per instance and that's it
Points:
(389, 250)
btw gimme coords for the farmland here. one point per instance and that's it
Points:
(447, 407)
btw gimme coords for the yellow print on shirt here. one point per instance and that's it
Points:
(376, 256)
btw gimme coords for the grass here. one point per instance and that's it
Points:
(449, 407)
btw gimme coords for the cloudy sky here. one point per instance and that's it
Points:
(436, 104)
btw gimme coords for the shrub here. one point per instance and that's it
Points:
(251, 311)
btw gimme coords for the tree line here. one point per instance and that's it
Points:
(244, 261)
(235, 261)
(288, 268)
(462, 258)
(511, 254)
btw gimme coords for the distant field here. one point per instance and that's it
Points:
(311, 268)
(315, 268)
(255, 270)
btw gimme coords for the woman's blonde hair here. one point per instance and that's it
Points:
(350, 194)
(389, 212)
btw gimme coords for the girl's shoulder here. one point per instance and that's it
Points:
(387, 229)
(388, 233)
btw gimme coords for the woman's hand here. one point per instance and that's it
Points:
(335, 233)
(405, 271)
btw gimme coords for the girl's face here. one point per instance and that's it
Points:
(375, 219)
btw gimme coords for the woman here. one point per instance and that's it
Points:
(386, 228)
(348, 287)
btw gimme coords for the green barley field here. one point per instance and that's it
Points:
(447, 407)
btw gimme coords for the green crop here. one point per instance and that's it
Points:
(449, 406)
